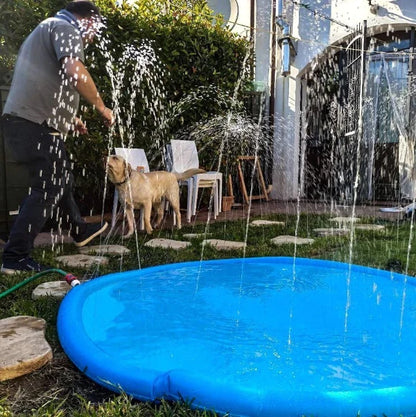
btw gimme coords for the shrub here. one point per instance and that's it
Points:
(190, 76)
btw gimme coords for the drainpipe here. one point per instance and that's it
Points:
(273, 69)
(284, 40)
(252, 25)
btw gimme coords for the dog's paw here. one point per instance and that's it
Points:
(127, 235)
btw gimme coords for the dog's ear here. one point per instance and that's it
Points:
(129, 169)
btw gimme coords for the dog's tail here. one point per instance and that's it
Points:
(188, 173)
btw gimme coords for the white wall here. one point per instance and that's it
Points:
(263, 32)
(314, 34)
(240, 14)
(390, 12)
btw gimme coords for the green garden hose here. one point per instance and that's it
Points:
(69, 278)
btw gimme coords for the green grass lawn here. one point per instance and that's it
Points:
(58, 389)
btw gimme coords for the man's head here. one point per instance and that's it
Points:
(88, 16)
(83, 9)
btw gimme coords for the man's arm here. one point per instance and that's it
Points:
(81, 80)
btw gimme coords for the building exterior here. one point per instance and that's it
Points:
(339, 79)
(344, 113)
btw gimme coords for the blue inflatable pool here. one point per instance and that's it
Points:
(252, 337)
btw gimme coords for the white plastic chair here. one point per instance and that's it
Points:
(136, 157)
(188, 183)
(183, 155)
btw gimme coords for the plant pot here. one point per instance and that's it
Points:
(227, 202)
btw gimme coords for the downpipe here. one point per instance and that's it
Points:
(284, 40)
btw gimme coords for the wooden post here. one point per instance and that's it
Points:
(257, 169)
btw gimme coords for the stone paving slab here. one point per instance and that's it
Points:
(285, 240)
(266, 223)
(224, 244)
(331, 231)
(104, 250)
(23, 347)
(167, 244)
(50, 239)
(196, 235)
(57, 289)
(345, 220)
(82, 261)
(371, 227)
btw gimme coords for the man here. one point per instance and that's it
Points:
(41, 109)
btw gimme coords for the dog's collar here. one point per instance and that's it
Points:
(122, 182)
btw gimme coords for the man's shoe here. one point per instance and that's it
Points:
(91, 231)
(22, 265)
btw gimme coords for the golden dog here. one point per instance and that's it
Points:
(146, 190)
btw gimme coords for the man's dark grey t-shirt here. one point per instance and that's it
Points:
(40, 92)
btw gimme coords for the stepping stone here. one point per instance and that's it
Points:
(196, 235)
(23, 347)
(104, 249)
(331, 231)
(345, 220)
(82, 261)
(167, 244)
(224, 244)
(57, 289)
(374, 227)
(266, 223)
(50, 239)
(284, 240)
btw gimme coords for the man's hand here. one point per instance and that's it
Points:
(81, 80)
(79, 126)
(108, 116)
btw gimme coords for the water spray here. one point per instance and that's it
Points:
(71, 279)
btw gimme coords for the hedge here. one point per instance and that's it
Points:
(174, 65)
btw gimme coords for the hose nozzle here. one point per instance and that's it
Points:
(72, 280)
